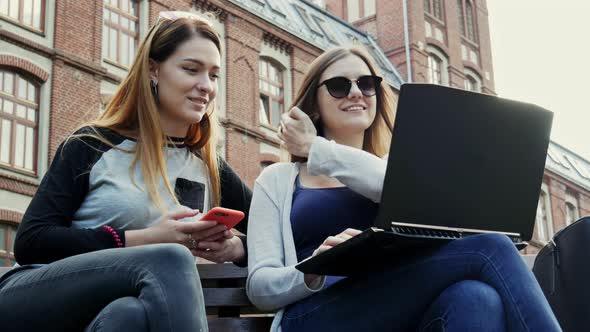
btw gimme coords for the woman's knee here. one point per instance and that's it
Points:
(497, 243)
(123, 314)
(467, 305)
(163, 258)
(469, 294)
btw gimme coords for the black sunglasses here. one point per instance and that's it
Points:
(339, 87)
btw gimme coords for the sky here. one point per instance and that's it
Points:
(541, 55)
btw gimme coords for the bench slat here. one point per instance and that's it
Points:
(253, 324)
(226, 297)
(221, 271)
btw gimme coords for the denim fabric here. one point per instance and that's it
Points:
(69, 294)
(478, 283)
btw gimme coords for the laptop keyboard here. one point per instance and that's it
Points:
(439, 233)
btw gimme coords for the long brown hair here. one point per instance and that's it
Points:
(134, 108)
(378, 135)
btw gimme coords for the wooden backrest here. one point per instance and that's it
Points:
(226, 299)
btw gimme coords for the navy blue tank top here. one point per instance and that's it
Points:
(317, 213)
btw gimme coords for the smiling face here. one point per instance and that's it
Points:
(350, 115)
(187, 83)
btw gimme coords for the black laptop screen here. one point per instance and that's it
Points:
(464, 159)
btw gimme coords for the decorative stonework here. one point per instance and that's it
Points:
(207, 6)
(24, 65)
(277, 42)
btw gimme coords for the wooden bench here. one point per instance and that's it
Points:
(227, 306)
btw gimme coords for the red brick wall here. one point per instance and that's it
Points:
(75, 99)
(389, 27)
(10, 216)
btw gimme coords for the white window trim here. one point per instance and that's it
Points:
(283, 60)
(44, 110)
(143, 17)
(444, 70)
(573, 200)
(45, 39)
(470, 73)
(548, 215)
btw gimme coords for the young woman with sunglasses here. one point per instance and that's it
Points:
(108, 242)
(337, 137)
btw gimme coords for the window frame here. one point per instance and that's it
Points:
(571, 200)
(545, 224)
(434, 59)
(280, 99)
(6, 255)
(20, 20)
(361, 10)
(429, 9)
(16, 120)
(468, 30)
(106, 26)
(474, 79)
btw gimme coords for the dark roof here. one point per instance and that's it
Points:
(319, 28)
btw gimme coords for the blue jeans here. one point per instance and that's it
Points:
(478, 283)
(147, 288)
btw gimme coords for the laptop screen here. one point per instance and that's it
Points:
(464, 159)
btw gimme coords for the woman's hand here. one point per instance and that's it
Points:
(227, 249)
(312, 280)
(168, 229)
(297, 132)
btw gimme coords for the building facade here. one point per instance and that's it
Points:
(448, 42)
(61, 61)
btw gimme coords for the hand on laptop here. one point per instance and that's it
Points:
(332, 241)
(296, 132)
(312, 280)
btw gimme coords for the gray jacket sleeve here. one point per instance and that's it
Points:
(271, 285)
(361, 171)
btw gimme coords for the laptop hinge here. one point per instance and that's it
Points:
(454, 229)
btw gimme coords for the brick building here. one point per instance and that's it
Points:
(448, 42)
(60, 61)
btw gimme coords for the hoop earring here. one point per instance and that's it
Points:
(154, 88)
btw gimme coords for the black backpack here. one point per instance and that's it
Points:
(562, 268)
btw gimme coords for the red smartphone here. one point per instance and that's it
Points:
(228, 217)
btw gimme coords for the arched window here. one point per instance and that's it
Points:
(271, 92)
(19, 122)
(434, 69)
(29, 13)
(120, 32)
(543, 220)
(7, 235)
(472, 81)
(438, 65)
(572, 213)
(467, 21)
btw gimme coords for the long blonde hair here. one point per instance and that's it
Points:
(134, 108)
(378, 136)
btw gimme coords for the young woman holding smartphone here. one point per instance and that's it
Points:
(105, 243)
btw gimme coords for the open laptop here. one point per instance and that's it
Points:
(460, 163)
